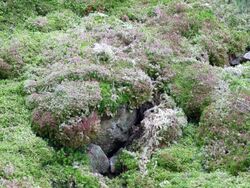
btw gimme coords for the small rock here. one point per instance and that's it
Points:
(247, 56)
(98, 160)
(240, 59)
(112, 162)
(236, 61)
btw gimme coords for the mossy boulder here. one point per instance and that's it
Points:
(224, 129)
(70, 89)
(62, 111)
(98, 160)
(84, 71)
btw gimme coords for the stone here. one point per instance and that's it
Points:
(241, 59)
(116, 130)
(98, 160)
(236, 61)
(247, 56)
(112, 163)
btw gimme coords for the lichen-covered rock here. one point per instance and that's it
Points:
(98, 160)
(224, 129)
(192, 85)
(161, 126)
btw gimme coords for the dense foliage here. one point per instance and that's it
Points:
(67, 67)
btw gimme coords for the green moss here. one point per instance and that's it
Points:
(204, 15)
(132, 179)
(86, 7)
(22, 48)
(238, 43)
(112, 98)
(224, 131)
(126, 161)
(178, 159)
(192, 85)
(53, 21)
(29, 156)
(239, 83)
(184, 171)
(16, 12)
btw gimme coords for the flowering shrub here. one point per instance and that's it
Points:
(10, 54)
(67, 98)
(79, 131)
(192, 85)
(21, 49)
(60, 114)
(53, 21)
(85, 70)
(224, 128)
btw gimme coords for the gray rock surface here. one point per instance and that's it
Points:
(247, 56)
(113, 162)
(237, 61)
(115, 131)
(241, 59)
(98, 160)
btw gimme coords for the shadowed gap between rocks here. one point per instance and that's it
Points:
(234, 60)
(101, 151)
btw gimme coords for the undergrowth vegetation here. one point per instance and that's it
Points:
(68, 66)
(27, 160)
